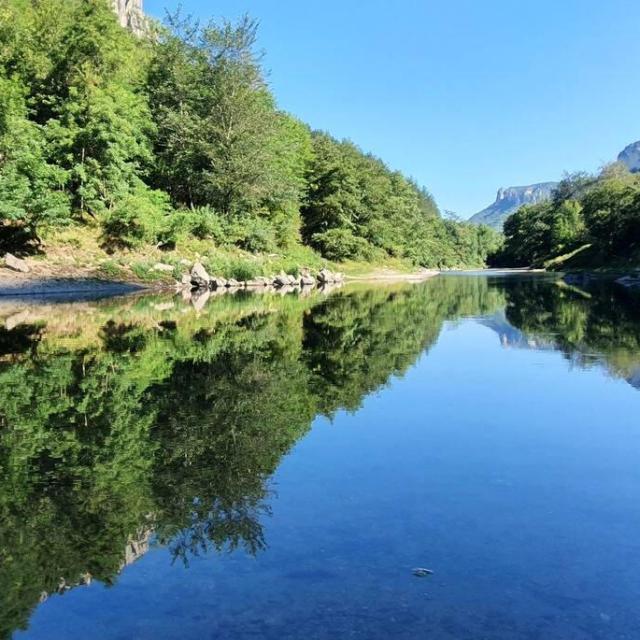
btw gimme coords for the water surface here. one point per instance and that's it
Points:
(276, 467)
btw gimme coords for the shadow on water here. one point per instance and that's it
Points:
(140, 422)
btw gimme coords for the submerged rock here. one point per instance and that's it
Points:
(420, 572)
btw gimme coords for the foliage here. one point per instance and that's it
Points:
(31, 191)
(602, 212)
(139, 218)
(97, 123)
(340, 244)
(358, 208)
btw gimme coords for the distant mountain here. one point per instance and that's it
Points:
(511, 199)
(630, 156)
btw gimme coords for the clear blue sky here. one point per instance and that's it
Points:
(464, 95)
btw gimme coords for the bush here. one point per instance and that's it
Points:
(258, 236)
(202, 222)
(241, 270)
(139, 218)
(341, 244)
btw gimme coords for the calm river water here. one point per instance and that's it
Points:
(277, 467)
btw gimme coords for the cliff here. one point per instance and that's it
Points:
(130, 14)
(630, 156)
(509, 200)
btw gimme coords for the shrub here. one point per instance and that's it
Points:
(341, 244)
(241, 270)
(202, 222)
(258, 236)
(139, 218)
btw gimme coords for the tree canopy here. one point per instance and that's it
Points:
(177, 132)
(590, 221)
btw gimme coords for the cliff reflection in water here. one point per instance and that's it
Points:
(143, 421)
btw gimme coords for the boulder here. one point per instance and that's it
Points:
(325, 276)
(15, 264)
(258, 282)
(294, 281)
(281, 280)
(307, 280)
(218, 283)
(233, 284)
(199, 277)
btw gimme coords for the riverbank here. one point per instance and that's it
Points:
(76, 258)
(42, 279)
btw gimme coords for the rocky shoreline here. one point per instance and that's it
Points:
(19, 277)
(629, 280)
(199, 279)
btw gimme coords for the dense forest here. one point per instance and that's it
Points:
(589, 221)
(175, 136)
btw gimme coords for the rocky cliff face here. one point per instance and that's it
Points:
(509, 200)
(130, 14)
(630, 156)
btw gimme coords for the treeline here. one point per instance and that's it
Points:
(590, 221)
(176, 135)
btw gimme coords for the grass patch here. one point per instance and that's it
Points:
(77, 249)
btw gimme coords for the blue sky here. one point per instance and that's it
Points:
(463, 95)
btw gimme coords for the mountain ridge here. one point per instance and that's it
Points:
(630, 157)
(509, 199)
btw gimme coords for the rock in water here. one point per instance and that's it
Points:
(218, 283)
(16, 264)
(199, 276)
(281, 280)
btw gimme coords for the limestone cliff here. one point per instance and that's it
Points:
(509, 200)
(630, 156)
(130, 14)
